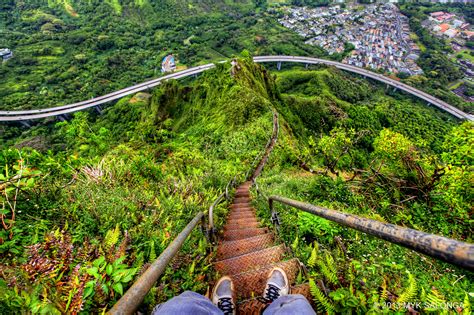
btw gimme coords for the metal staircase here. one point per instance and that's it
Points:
(247, 253)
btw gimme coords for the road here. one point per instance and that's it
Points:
(25, 115)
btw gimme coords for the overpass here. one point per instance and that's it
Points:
(25, 115)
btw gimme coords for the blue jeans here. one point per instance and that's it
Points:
(196, 304)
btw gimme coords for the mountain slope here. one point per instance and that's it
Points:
(66, 51)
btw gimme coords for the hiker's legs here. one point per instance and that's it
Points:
(290, 304)
(277, 290)
(187, 303)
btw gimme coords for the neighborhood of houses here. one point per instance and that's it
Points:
(456, 31)
(379, 33)
(5, 54)
(449, 26)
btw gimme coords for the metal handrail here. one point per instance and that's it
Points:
(211, 229)
(134, 296)
(449, 250)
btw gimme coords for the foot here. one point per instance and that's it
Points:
(277, 285)
(223, 295)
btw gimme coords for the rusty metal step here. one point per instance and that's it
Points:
(256, 307)
(242, 221)
(238, 226)
(240, 207)
(250, 261)
(240, 247)
(237, 213)
(238, 216)
(234, 235)
(241, 201)
(238, 210)
(241, 196)
(252, 283)
(243, 188)
(242, 193)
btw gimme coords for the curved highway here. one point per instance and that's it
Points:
(26, 115)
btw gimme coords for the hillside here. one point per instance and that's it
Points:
(124, 184)
(66, 51)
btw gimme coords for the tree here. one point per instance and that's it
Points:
(261, 4)
(335, 149)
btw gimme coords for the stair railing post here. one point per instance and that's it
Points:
(274, 215)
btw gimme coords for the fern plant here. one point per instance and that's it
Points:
(328, 268)
(322, 302)
(409, 293)
(466, 306)
(152, 256)
(433, 301)
(313, 258)
(111, 238)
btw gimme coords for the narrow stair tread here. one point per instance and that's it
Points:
(243, 233)
(239, 226)
(250, 261)
(228, 249)
(242, 221)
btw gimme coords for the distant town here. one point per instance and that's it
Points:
(379, 34)
(453, 28)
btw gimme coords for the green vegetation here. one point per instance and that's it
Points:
(381, 158)
(101, 197)
(68, 51)
(87, 204)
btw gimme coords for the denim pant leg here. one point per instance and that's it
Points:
(187, 303)
(292, 304)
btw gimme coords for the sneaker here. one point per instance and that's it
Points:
(277, 285)
(223, 295)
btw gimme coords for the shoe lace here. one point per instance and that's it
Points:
(273, 293)
(226, 305)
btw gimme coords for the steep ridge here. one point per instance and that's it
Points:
(247, 252)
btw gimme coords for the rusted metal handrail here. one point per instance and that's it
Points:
(211, 228)
(134, 296)
(449, 250)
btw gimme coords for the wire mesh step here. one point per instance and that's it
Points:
(243, 233)
(235, 248)
(250, 261)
